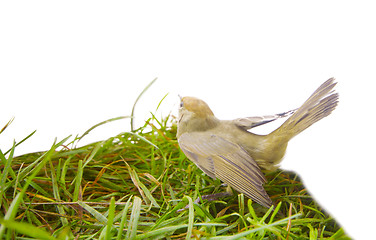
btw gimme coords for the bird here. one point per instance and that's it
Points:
(227, 150)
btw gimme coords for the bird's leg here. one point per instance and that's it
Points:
(211, 197)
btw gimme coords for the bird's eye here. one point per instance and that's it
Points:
(181, 101)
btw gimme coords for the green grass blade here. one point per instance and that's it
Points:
(160, 102)
(4, 175)
(251, 210)
(163, 218)
(143, 139)
(257, 229)
(4, 161)
(23, 140)
(191, 216)
(77, 188)
(64, 170)
(99, 124)
(7, 125)
(93, 153)
(145, 190)
(275, 212)
(123, 219)
(110, 218)
(97, 215)
(12, 211)
(262, 220)
(106, 231)
(133, 222)
(27, 229)
(340, 234)
(161, 231)
(55, 190)
(313, 233)
(138, 98)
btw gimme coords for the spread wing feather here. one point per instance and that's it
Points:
(227, 161)
(251, 122)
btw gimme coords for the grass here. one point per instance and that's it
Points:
(139, 185)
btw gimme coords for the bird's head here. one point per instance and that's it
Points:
(196, 106)
(195, 115)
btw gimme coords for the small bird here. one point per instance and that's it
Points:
(224, 149)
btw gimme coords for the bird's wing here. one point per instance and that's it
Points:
(227, 161)
(251, 122)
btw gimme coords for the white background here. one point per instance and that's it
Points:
(69, 65)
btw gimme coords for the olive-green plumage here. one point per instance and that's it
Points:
(226, 150)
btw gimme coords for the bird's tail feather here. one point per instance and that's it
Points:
(319, 105)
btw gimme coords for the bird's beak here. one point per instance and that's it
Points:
(181, 101)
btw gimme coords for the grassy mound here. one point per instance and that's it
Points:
(139, 185)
